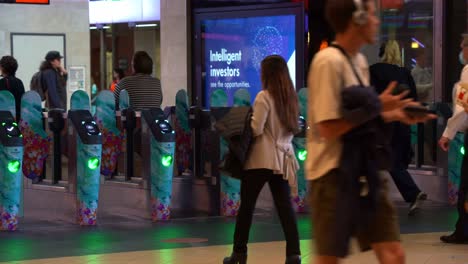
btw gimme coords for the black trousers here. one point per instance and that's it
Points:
(404, 181)
(251, 185)
(401, 155)
(461, 228)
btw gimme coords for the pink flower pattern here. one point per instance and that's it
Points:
(111, 149)
(36, 151)
(86, 216)
(159, 210)
(8, 222)
(229, 207)
(183, 148)
(298, 203)
(452, 193)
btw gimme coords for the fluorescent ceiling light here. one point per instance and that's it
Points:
(95, 27)
(146, 25)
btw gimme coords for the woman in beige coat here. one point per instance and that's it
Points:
(271, 160)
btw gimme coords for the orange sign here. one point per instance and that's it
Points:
(33, 1)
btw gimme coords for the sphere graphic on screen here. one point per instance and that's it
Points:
(267, 41)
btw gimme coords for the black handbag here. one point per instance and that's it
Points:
(239, 142)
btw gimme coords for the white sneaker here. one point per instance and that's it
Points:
(417, 202)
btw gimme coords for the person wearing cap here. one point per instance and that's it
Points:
(54, 78)
(459, 123)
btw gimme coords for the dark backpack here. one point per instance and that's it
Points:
(36, 85)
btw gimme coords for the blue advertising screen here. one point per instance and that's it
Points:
(234, 47)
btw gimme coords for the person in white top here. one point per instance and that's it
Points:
(423, 78)
(459, 123)
(271, 159)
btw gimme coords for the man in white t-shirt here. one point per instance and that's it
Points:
(459, 123)
(356, 24)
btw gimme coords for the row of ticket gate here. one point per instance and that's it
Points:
(94, 144)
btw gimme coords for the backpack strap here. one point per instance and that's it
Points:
(7, 82)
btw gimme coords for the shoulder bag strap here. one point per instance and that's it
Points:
(338, 47)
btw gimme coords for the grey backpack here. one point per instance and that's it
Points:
(36, 85)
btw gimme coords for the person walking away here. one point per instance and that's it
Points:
(382, 74)
(271, 159)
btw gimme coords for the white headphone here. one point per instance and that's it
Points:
(360, 15)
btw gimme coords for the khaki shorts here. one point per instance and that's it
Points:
(382, 227)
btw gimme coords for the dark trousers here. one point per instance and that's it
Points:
(404, 182)
(461, 227)
(401, 153)
(251, 185)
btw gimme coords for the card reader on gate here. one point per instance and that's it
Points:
(159, 126)
(10, 135)
(86, 127)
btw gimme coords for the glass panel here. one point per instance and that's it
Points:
(407, 26)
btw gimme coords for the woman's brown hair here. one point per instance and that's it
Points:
(276, 80)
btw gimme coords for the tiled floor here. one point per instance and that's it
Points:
(420, 248)
(120, 239)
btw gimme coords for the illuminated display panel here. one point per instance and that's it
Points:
(123, 11)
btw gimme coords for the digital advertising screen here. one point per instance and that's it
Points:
(234, 48)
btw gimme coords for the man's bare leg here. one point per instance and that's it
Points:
(326, 260)
(389, 252)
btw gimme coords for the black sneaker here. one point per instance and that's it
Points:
(454, 239)
(417, 202)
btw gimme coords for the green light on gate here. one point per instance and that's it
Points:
(462, 150)
(166, 160)
(14, 166)
(93, 163)
(302, 155)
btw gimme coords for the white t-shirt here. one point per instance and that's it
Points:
(459, 120)
(330, 72)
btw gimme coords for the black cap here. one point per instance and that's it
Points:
(52, 55)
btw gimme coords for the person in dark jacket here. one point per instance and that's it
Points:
(8, 67)
(382, 74)
(54, 80)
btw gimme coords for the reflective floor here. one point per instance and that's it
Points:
(121, 239)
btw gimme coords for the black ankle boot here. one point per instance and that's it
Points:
(454, 239)
(236, 258)
(294, 259)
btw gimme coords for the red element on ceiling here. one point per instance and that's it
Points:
(33, 1)
(391, 4)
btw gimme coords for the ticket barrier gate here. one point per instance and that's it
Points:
(11, 158)
(75, 197)
(158, 164)
(85, 151)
